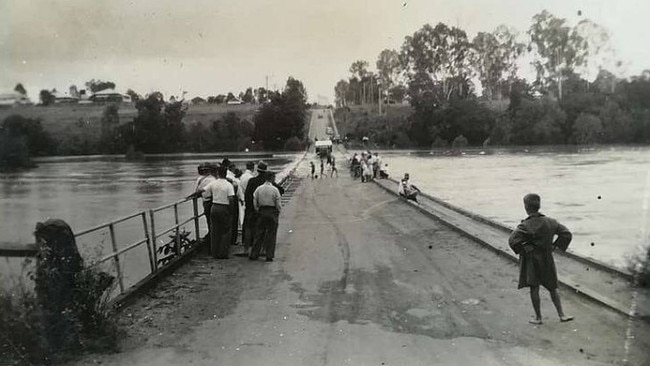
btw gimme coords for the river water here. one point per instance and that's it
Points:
(598, 193)
(87, 192)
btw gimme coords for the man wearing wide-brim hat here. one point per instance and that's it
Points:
(250, 216)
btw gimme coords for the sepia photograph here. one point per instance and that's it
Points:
(301, 182)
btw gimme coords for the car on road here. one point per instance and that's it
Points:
(320, 116)
(329, 130)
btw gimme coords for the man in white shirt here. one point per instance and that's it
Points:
(267, 203)
(248, 211)
(205, 178)
(407, 190)
(223, 197)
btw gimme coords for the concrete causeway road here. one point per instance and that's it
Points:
(362, 278)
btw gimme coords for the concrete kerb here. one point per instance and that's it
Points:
(590, 261)
(585, 293)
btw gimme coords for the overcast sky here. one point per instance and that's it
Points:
(208, 47)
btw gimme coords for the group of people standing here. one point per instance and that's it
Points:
(368, 166)
(224, 189)
(330, 160)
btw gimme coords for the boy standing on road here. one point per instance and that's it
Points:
(533, 241)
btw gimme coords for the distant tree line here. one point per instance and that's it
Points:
(437, 67)
(159, 128)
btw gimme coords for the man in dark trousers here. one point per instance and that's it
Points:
(533, 241)
(250, 216)
(267, 203)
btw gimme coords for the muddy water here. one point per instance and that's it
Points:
(89, 192)
(599, 193)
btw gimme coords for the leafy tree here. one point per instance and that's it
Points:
(261, 94)
(536, 122)
(230, 97)
(248, 96)
(587, 129)
(46, 97)
(20, 89)
(110, 139)
(37, 141)
(495, 59)
(341, 92)
(443, 53)
(98, 85)
(560, 49)
(158, 126)
(284, 117)
(359, 70)
(135, 97)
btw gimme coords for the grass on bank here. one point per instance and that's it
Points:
(27, 328)
(63, 120)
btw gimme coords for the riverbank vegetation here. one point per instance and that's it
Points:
(30, 334)
(153, 125)
(443, 87)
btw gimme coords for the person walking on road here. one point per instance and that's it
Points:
(313, 169)
(322, 168)
(333, 168)
(223, 197)
(267, 202)
(533, 241)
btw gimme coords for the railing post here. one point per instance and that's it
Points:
(146, 235)
(116, 258)
(177, 237)
(195, 207)
(154, 244)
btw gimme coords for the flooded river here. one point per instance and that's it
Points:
(598, 193)
(90, 191)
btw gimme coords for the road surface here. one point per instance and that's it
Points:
(361, 278)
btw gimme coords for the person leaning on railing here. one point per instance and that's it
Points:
(223, 196)
(206, 171)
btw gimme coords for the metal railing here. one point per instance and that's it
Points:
(158, 255)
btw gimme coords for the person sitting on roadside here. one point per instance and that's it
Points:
(383, 172)
(408, 190)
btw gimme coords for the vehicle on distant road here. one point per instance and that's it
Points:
(329, 130)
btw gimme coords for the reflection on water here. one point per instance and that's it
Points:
(597, 193)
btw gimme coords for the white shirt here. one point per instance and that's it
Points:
(405, 187)
(221, 190)
(243, 180)
(202, 182)
(267, 195)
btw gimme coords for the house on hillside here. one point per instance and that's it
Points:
(235, 101)
(64, 98)
(110, 96)
(13, 99)
(198, 100)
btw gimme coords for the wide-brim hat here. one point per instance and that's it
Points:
(262, 167)
(226, 162)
